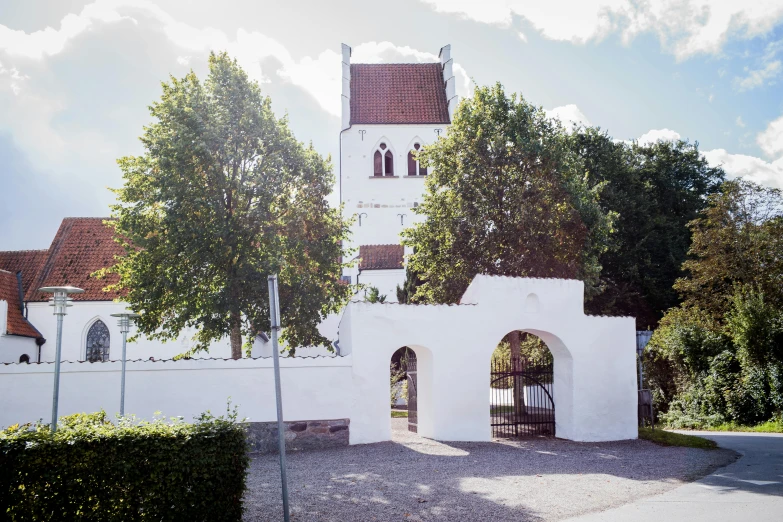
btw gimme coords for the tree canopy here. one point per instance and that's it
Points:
(656, 189)
(719, 356)
(222, 197)
(506, 195)
(737, 240)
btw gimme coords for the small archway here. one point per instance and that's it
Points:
(521, 393)
(404, 385)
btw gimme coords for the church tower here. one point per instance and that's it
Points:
(388, 112)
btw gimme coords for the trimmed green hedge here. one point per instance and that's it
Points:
(92, 469)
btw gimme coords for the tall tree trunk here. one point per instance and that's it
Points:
(235, 334)
(516, 366)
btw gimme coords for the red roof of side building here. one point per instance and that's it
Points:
(380, 257)
(81, 247)
(9, 291)
(400, 93)
(26, 261)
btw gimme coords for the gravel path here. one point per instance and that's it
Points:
(412, 478)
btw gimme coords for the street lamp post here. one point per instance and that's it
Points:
(275, 323)
(124, 320)
(60, 302)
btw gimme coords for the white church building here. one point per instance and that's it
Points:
(388, 112)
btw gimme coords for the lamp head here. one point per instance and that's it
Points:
(124, 320)
(60, 300)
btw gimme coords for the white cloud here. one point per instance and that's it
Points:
(522, 36)
(14, 78)
(747, 167)
(735, 165)
(771, 139)
(319, 76)
(569, 115)
(758, 77)
(684, 27)
(50, 41)
(739, 122)
(656, 135)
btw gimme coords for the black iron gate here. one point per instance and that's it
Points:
(410, 374)
(521, 400)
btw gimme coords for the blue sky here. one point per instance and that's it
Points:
(77, 76)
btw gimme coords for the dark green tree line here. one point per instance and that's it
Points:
(719, 356)
(655, 190)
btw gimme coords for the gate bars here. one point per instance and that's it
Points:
(409, 363)
(521, 401)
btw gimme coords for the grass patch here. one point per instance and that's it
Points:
(771, 426)
(399, 413)
(668, 438)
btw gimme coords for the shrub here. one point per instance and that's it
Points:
(93, 469)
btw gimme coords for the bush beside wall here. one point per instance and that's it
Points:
(92, 469)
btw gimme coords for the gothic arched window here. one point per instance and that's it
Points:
(414, 167)
(383, 161)
(98, 342)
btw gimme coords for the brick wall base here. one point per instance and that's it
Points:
(299, 435)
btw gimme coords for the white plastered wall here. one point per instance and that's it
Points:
(382, 199)
(14, 346)
(594, 381)
(594, 365)
(313, 389)
(385, 281)
(84, 313)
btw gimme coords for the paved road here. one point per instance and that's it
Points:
(751, 489)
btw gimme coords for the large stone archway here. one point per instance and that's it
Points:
(594, 359)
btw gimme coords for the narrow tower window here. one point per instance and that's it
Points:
(383, 161)
(378, 160)
(388, 163)
(414, 166)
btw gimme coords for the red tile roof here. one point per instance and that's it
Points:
(81, 246)
(9, 291)
(398, 93)
(26, 261)
(380, 257)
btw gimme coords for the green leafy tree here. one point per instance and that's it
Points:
(721, 352)
(506, 196)
(373, 295)
(756, 326)
(406, 294)
(656, 190)
(223, 196)
(737, 240)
